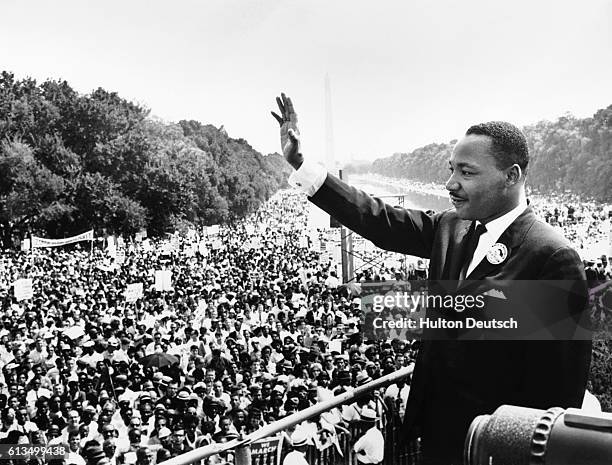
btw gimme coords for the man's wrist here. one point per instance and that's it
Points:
(308, 177)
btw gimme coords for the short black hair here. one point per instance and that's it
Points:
(508, 143)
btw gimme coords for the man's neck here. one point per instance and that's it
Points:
(521, 199)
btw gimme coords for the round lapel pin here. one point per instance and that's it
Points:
(497, 253)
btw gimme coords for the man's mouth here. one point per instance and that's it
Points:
(457, 200)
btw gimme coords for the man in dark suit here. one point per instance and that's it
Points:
(491, 232)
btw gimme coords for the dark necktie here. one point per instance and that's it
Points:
(470, 247)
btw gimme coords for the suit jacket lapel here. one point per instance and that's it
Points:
(454, 257)
(512, 237)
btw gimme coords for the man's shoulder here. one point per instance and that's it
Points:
(546, 242)
(544, 235)
(547, 247)
(448, 220)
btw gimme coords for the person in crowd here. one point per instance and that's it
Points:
(299, 443)
(370, 447)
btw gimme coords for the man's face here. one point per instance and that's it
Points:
(73, 442)
(477, 186)
(74, 418)
(135, 423)
(225, 425)
(22, 416)
(178, 437)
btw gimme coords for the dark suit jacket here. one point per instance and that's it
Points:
(454, 381)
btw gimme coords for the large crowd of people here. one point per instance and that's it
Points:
(252, 325)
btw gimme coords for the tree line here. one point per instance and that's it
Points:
(70, 162)
(569, 154)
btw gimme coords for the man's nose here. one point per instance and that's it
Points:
(452, 184)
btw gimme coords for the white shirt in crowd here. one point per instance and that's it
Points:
(295, 458)
(393, 392)
(370, 448)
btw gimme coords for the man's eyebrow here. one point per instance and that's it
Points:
(462, 164)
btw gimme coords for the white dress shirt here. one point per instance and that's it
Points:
(309, 178)
(495, 229)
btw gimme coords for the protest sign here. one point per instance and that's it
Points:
(23, 289)
(212, 230)
(111, 247)
(120, 257)
(267, 450)
(25, 245)
(163, 280)
(133, 292)
(335, 345)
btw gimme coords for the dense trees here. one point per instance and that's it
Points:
(70, 162)
(567, 154)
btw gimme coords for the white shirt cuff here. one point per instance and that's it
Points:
(309, 178)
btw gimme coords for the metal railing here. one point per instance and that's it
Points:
(396, 450)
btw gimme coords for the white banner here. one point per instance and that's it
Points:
(133, 292)
(42, 242)
(23, 289)
(25, 245)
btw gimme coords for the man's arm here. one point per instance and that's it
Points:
(395, 229)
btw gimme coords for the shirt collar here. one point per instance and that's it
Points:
(497, 226)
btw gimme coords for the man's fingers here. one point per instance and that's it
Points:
(281, 106)
(290, 110)
(278, 118)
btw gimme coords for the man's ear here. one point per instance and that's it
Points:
(514, 174)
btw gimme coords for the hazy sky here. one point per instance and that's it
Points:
(403, 73)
